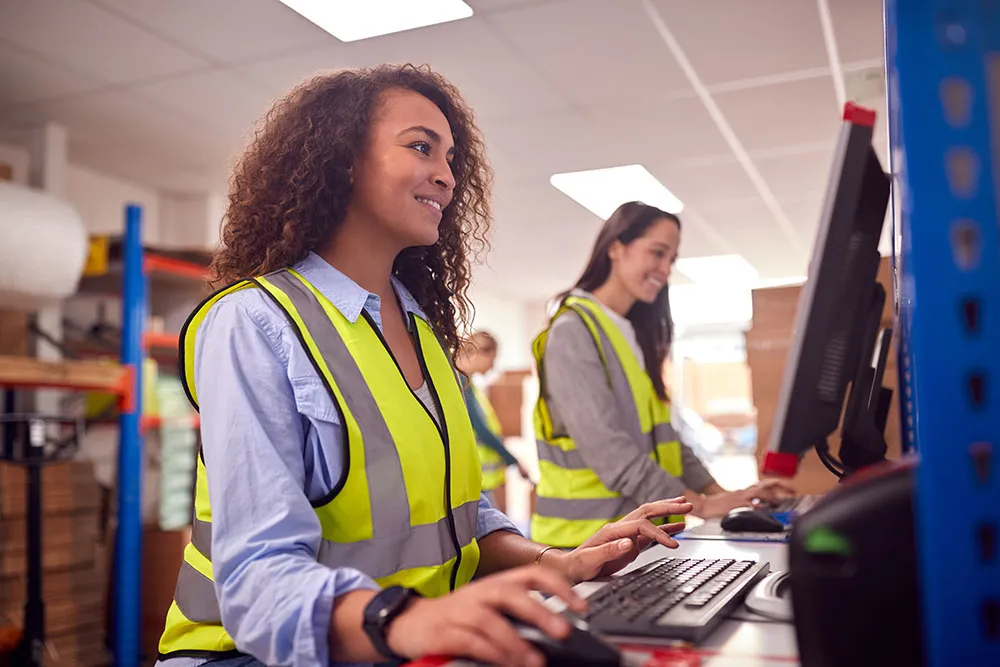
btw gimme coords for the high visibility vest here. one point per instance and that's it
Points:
(405, 508)
(493, 466)
(571, 501)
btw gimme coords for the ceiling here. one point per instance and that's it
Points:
(732, 104)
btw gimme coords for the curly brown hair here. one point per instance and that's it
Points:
(292, 186)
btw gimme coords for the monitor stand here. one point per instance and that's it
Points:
(862, 432)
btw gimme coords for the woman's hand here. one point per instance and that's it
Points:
(771, 490)
(721, 504)
(617, 544)
(470, 622)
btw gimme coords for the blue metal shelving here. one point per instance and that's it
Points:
(128, 537)
(943, 67)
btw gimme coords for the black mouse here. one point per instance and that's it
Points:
(582, 647)
(749, 520)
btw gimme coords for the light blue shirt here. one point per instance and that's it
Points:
(272, 443)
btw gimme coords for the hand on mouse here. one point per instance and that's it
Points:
(470, 622)
(617, 544)
(771, 490)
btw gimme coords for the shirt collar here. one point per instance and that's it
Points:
(346, 295)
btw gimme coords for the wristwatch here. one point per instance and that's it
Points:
(380, 611)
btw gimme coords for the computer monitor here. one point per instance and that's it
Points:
(837, 340)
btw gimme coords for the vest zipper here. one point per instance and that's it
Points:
(442, 431)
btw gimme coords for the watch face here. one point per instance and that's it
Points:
(386, 602)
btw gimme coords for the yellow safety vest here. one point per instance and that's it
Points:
(494, 467)
(572, 503)
(405, 508)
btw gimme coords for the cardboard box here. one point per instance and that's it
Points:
(506, 395)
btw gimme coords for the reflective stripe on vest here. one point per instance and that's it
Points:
(572, 503)
(387, 515)
(493, 465)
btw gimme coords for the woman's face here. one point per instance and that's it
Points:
(403, 181)
(643, 266)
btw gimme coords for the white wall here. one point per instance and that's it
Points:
(100, 200)
(504, 318)
(18, 160)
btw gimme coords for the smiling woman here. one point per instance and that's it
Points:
(602, 419)
(339, 513)
(291, 190)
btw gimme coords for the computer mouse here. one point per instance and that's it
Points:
(749, 520)
(581, 648)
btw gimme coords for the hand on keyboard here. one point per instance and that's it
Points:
(617, 544)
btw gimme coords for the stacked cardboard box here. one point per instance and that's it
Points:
(72, 560)
(768, 341)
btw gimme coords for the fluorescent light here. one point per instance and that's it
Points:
(718, 269)
(601, 191)
(351, 20)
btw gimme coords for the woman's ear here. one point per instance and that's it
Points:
(615, 250)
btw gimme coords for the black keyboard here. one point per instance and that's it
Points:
(676, 598)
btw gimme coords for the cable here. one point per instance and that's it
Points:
(828, 460)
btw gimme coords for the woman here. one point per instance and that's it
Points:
(605, 443)
(476, 357)
(346, 520)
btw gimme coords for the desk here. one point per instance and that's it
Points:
(735, 643)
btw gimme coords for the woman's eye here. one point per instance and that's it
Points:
(422, 147)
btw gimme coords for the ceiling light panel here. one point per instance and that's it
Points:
(353, 20)
(601, 191)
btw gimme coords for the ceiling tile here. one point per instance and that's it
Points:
(704, 185)
(726, 40)
(857, 25)
(492, 76)
(784, 114)
(26, 77)
(88, 39)
(788, 175)
(129, 127)
(218, 98)
(547, 143)
(662, 131)
(593, 50)
(228, 31)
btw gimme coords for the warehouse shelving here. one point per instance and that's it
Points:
(943, 67)
(130, 277)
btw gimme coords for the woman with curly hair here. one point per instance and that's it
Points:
(338, 510)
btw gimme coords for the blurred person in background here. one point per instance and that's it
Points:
(605, 440)
(477, 356)
(338, 513)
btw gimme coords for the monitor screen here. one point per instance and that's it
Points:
(832, 339)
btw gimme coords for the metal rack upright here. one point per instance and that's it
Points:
(943, 72)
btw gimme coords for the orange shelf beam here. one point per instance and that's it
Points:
(158, 264)
(74, 375)
(162, 340)
(152, 422)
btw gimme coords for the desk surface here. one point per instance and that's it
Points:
(735, 643)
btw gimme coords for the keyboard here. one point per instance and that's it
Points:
(673, 598)
(799, 505)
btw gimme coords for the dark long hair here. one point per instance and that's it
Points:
(292, 186)
(654, 328)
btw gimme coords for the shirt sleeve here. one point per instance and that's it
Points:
(483, 433)
(490, 519)
(276, 599)
(576, 386)
(695, 476)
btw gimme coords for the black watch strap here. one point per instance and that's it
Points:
(380, 611)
